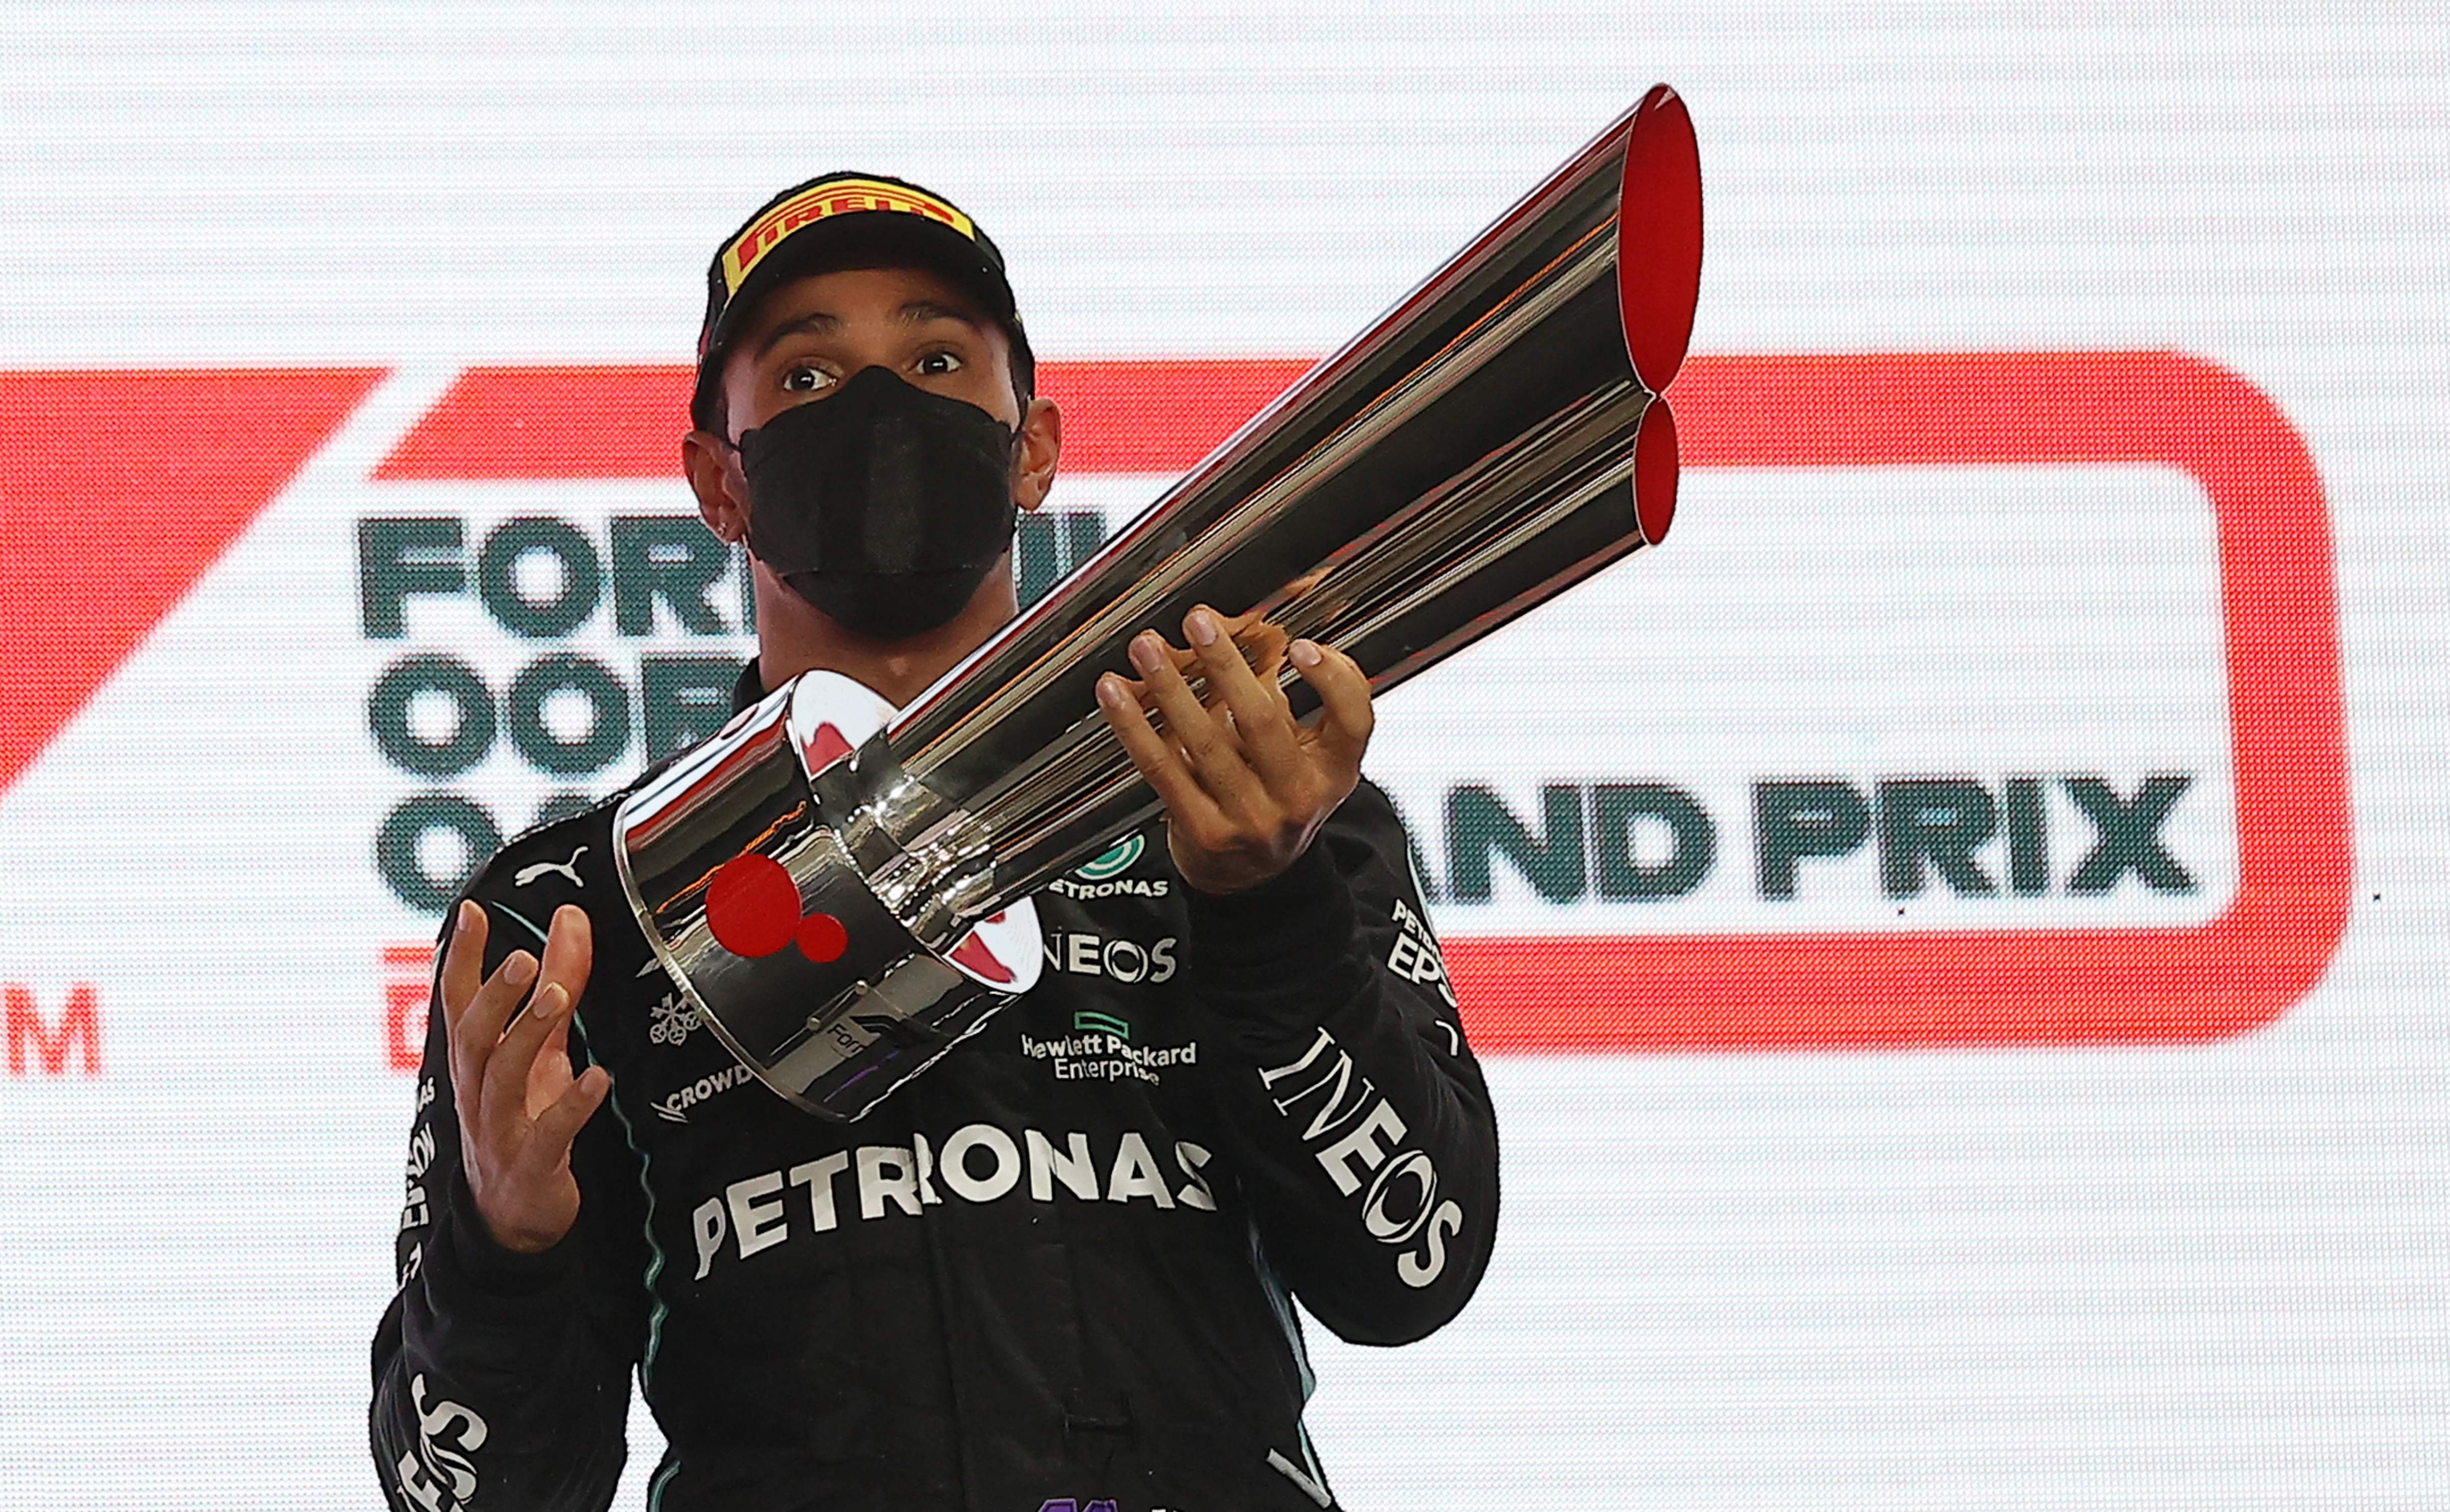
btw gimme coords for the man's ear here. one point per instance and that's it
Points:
(1040, 443)
(715, 478)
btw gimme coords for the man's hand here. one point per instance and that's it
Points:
(1246, 785)
(520, 1107)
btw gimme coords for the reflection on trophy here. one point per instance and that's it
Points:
(842, 899)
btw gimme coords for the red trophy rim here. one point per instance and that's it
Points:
(1659, 236)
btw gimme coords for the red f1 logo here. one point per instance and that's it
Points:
(223, 444)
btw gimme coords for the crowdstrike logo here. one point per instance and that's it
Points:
(674, 1109)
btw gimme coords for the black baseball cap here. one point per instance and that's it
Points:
(845, 219)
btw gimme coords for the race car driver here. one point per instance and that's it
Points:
(1058, 1269)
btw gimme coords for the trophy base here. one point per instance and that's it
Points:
(739, 876)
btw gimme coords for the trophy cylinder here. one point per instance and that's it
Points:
(841, 892)
(1492, 439)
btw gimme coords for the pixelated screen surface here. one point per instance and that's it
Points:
(1956, 935)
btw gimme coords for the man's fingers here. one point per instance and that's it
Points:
(480, 1029)
(548, 1078)
(1172, 781)
(569, 950)
(463, 958)
(1184, 714)
(455, 985)
(505, 1083)
(1346, 719)
(1209, 749)
(548, 1073)
(1261, 717)
(556, 1128)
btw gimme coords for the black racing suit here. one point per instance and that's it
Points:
(1053, 1268)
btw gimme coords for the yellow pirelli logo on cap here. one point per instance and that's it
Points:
(842, 197)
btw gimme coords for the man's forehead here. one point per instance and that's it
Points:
(827, 300)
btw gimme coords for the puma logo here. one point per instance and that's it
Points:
(567, 868)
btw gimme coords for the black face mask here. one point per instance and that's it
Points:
(884, 506)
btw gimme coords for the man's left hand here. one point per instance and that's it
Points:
(1245, 784)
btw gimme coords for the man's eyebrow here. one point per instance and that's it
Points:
(919, 312)
(818, 323)
(815, 323)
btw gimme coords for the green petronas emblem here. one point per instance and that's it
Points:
(1118, 857)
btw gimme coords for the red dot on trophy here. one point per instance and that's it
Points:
(753, 907)
(823, 938)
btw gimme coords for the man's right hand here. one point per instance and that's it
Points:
(520, 1107)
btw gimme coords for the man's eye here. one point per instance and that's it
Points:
(936, 364)
(803, 379)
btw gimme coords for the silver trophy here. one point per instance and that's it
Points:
(841, 896)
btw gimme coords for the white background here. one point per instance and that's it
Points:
(2211, 1277)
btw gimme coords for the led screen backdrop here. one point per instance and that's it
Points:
(1957, 935)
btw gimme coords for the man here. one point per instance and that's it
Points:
(1056, 1270)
